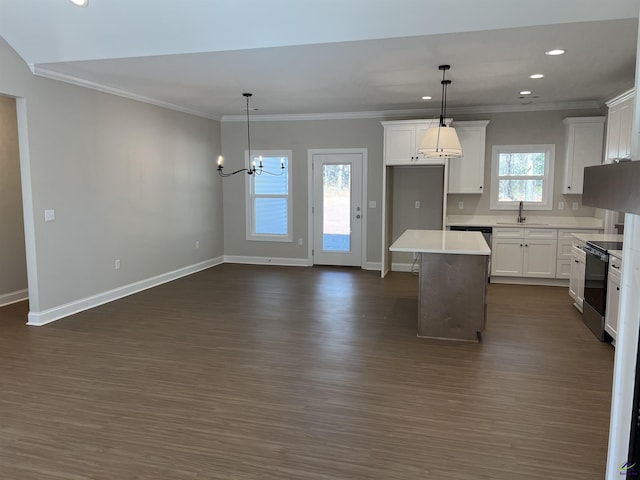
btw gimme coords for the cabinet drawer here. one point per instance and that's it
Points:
(546, 233)
(504, 232)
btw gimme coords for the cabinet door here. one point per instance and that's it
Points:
(612, 305)
(466, 174)
(613, 133)
(399, 144)
(576, 281)
(540, 258)
(626, 121)
(506, 257)
(584, 149)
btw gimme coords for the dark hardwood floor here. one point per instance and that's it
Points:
(264, 372)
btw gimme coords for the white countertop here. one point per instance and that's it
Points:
(587, 223)
(616, 253)
(441, 241)
(603, 237)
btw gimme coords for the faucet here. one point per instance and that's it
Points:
(521, 219)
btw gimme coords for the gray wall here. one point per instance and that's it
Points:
(299, 137)
(524, 128)
(127, 180)
(13, 265)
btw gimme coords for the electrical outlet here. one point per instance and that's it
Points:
(460, 205)
(560, 205)
(197, 243)
(117, 264)
(575, 206)
(372, 204)
(417, 204)
(299, 241)
(49, 215)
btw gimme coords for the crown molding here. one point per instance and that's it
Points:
(621, 98)
(62, 77)
(422, 113)
(381, 114)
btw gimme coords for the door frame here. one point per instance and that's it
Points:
(365, 203)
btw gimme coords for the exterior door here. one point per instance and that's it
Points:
(337, 209)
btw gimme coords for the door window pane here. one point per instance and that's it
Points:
(336, 207)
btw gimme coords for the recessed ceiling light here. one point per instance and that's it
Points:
(525, 92)
(80, 3)
(426, 97)
(536, 75)
(556, 51)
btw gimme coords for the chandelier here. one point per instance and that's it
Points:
(255, 168)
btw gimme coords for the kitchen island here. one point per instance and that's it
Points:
(453, 282)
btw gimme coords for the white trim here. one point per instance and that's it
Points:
(401, 267)
(620, 98)
(61, 311)
(293, 262)
(365, 199)
(418, 114)
(431, 112)
(81, 82)
(377, 266)
(547, 178)
(28, 212)
(13, 297)
(548, 282)
(249, 197)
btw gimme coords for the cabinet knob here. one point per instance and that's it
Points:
(569, 187)
(526, 244)
(480, 187)
(618, 288)
(520, 244)
(577, 261)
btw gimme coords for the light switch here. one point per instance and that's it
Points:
(575, 206)
(460, 205)
(417, 204)
(560, 205)
(49, 215)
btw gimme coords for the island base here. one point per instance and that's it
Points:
(452, 296)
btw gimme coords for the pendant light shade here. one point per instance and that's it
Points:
(441, 141)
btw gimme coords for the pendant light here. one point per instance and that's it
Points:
(441, 141)
(254, 168)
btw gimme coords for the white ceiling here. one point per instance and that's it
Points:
(331, 56)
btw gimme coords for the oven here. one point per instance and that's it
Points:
(595, 285)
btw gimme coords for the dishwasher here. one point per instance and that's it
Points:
(486, 233)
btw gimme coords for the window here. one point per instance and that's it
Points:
(522, 173)
(269, 197)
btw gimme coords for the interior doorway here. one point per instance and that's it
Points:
(13, 267)
(337, 196)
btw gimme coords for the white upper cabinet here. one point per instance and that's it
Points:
(619, 123)
(466, 173)
(583, 148)
(402, 140)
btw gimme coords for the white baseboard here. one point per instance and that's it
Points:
(295, 262)
(372, 266)
(56, 313)
(13, 297)
(402, 267)
(548, 282)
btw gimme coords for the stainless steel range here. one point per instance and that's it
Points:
(595, 285)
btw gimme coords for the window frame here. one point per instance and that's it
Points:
(250, 197)
(547, 178)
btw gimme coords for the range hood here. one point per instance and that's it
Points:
(614, 186)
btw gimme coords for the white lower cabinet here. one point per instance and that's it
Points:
(576, 281)
(613, 297)
(524, 252)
